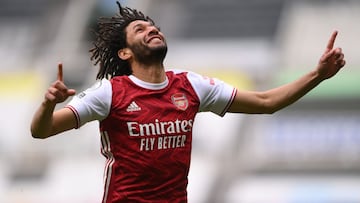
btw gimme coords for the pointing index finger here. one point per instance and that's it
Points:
(331, 42)
(60, 72)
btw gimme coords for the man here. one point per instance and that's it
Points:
(146, 113)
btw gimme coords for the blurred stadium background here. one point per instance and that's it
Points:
(307, 153)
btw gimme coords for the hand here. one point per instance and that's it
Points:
(332, 59)
(58, 92)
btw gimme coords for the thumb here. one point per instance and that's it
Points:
(71, 92)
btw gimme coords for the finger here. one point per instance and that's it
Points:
(71, 92)
(343, 62)
(50, 97)
(54, 94)
(60, 86)
(338, 52)
(327, 56)
(339, 56)
(54, 91)
(60, 72)
(331, 42)
(340, 59)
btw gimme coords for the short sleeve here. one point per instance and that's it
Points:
(215, 95)
(92, 104)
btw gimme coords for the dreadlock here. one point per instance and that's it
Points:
(110, 38)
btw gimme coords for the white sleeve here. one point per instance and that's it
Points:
(215, 95)
(93, 103)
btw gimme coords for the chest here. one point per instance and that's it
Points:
(178, 101)
(152, 120)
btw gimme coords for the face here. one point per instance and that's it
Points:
(146, 42)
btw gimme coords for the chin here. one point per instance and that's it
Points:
(158, 46)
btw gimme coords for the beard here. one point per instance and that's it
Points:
(149, 55)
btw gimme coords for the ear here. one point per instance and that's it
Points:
(125, 54)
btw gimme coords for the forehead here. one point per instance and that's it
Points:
(136, 23)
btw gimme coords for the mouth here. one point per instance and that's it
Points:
(154, 38)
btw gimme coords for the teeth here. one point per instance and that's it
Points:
(155, 38)
(158, 39)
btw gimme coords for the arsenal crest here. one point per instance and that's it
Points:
(180, 101)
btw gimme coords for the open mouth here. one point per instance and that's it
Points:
(154, 38)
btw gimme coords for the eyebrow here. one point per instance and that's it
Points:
(137, 25)
(141, 25)
(144, 23)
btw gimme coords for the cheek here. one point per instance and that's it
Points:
(131, 38)
(138, 48)
(135, 41)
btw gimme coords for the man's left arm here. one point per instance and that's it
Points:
(270, 101)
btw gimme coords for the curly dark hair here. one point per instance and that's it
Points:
(110, 38)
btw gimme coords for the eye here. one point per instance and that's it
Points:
(139, 29)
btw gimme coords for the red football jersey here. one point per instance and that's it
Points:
(146, 131)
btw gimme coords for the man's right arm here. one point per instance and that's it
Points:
(46, 122)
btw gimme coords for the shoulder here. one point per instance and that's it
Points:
(190, 75)
(118, 79)
(198, 82)
(93, 103)
(100, 87)
(119, 84)
(103, 83)
(176, 71)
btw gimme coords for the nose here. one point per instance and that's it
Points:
(153, 30)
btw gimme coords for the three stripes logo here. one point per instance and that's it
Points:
(133, 107)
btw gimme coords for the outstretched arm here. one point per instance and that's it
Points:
(275, 99)
(46, 122)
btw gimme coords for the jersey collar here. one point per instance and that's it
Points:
(148, 85)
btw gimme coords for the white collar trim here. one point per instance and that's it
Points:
(148, 85)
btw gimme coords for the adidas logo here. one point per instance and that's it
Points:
(133, 107)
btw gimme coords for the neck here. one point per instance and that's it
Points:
(154, 73)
